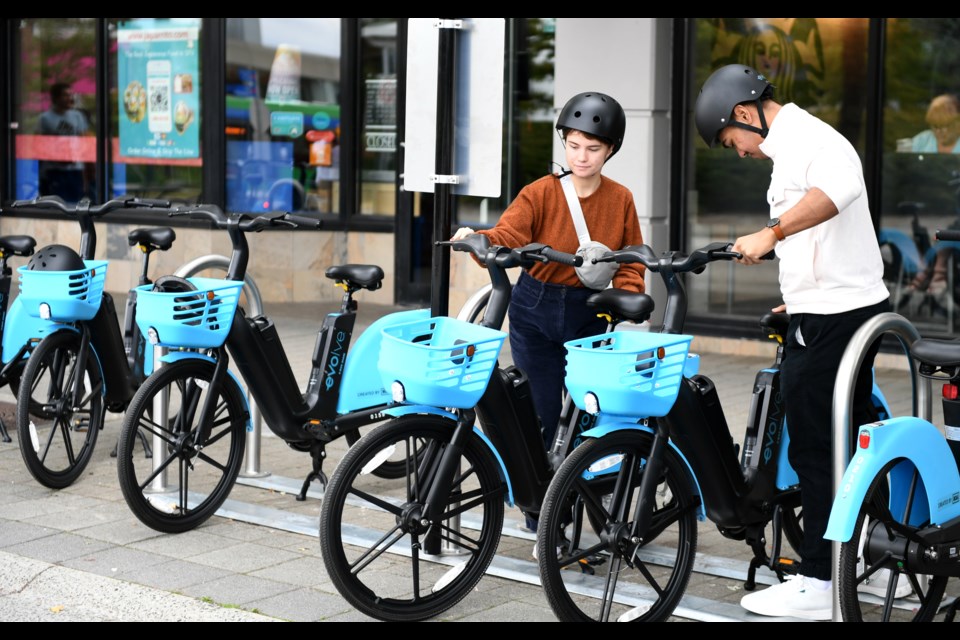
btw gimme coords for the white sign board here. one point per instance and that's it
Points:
(478, 112)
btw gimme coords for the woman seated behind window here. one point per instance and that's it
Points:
(943, 136)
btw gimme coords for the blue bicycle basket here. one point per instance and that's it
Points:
(441, 362)
(632, 373)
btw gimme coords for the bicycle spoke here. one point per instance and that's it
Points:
(376, 550)
(374, 500)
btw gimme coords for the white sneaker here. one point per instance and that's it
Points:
(877, 584)
(798, 597)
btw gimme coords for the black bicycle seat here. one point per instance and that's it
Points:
(775, 322)
(18, 245)
(623, 304)
(940, 353)
(159, 238)
(365, 276)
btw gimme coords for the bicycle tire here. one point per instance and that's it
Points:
(856, 565)
(388, 512)
(579, 532)
(56, 438)
(205, 472)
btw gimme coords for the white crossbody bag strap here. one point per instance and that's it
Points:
(573, 203)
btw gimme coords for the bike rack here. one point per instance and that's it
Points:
(251, 466)
(853, 356)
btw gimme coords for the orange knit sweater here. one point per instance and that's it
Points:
(540, 214)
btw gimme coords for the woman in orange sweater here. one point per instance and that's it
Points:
(548, 307)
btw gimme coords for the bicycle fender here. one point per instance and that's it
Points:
(20, 327)
(922, 448)
(177, 356)
(358, 388)
(612, 424)
(408, 409)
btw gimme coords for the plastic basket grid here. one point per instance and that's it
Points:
(198, 319)
(71, 295)
(441, 362)
(632, 373)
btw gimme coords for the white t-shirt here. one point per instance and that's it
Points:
(835, 266)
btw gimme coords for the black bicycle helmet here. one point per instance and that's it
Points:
(726, 88)
(597, 114)
(56, 257)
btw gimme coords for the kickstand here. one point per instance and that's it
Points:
(318, 453)
(3, 432)
(147, 449)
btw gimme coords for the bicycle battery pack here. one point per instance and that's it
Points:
(698, 425)
(106, 339)
(510, 421)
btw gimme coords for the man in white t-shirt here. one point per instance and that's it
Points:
(831, 281)
(64, 178)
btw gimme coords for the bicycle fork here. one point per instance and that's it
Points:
(448, 467)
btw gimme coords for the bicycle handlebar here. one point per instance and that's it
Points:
(85, 207)
(674, 261)
(504, 257)
(948, 234)
(244, 221)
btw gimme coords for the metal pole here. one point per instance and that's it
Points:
(843, 402)
(444, 178)
(161, 416)
(251, 464)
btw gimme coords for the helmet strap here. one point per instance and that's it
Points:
(763, 130)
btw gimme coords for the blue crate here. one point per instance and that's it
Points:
(441, 362)
(72, 296)
(198, 319)
(632, 373)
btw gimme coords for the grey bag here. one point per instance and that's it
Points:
(593, 276)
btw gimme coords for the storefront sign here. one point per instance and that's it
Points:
(158, 101)
(286, 123)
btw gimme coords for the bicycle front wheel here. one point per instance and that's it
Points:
(383, 553)
(187, 479)
(65, 398)
(594, 565)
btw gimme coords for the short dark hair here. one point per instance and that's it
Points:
(58, 89)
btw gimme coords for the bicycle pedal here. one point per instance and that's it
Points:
(788, 566)
(586, 567)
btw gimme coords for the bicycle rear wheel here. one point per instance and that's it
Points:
(878, 544)
(593, 565)
(377, 546)
(59, 410)
(186, 481)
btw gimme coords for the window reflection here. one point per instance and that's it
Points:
(283, 114)
(55, 119)
(921, 172)
(816, 63)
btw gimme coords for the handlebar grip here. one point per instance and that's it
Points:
(303, 221)
(770, 255)
(948, 234)
(150, 202)
(563, 258)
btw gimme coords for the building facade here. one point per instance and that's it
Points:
(308, 115)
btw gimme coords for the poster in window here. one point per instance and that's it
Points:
(158, 101)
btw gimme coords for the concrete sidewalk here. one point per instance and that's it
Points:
(79, 554)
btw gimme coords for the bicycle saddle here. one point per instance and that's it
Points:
(160, 238)
(623, 305)
(18, 245)
(940, 353)
(775, 322)
(365, 276)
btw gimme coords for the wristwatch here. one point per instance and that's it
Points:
(777, 231)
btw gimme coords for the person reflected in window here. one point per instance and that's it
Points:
(64, 178)
(943, 118)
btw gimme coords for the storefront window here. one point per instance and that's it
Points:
(817, 63)
(921, 169)
(155, 122)
(54, 119)
(378, 138)
(283, 114)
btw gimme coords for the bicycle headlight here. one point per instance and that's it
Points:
(45, 311)
(591, 404)
(153, 336)
(397, 391)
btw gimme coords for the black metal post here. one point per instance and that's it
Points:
(443, 190)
